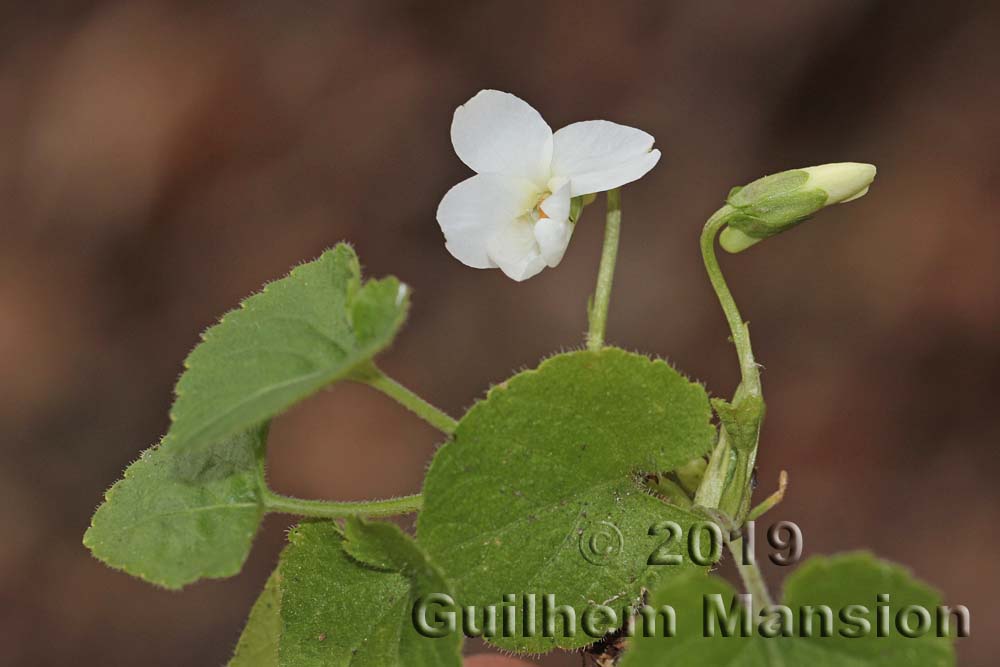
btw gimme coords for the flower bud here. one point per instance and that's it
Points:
(775, 203)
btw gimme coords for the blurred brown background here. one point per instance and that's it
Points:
(159, 161)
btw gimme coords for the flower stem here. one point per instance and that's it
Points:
(751, 575)
(741, 333)
(726, 484)
(606, 274)
(375, 378)
(714, 483)
(753, 582)
(322, 509)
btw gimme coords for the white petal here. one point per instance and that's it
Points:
(557, 204)
(496, 132)
(553, 238)
(473, 211)
(598, 155)
(552, 231)
(842, 181)
(616, 177)
(734, 241)
(515, 250)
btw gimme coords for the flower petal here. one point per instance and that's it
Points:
(557, 204)
(598, 155)
(516, 251)
(553, 238)
(553, 229)
(496, 132)
(473, 211)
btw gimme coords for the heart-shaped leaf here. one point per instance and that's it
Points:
(540, 491)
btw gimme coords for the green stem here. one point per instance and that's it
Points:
(606, 274)
(375, 378)
(730, 467)
(751, 575)
(322, 509)
(740, 332)
(717, 477)
(753, 582)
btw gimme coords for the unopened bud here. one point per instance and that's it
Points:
(775, 203)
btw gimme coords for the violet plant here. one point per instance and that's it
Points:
(599, 485)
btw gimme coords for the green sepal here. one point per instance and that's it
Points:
(764, 188)
(777, 214)
(575, 208)
(773, 204)
(742, 423)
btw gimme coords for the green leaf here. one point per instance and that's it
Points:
(183, 512)
(686, 594)
(385, 547)
(856, 579)
(280, 346)
(837, 582)
(175, 518)
(258, 645)
(337, 611)
(541, 490)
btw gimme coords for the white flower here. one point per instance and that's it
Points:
(514, 213)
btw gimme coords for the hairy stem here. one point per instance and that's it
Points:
(750, 573)
(375, 378)
(322, 509)
(753, 582)
(598, 314)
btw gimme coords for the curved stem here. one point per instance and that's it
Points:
(713, 486)
(730, 467)
(739, 329)
(322, 509)
(375, 378)
(598, 314)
